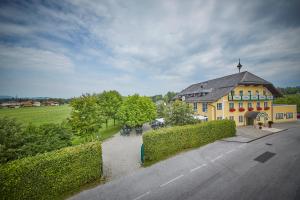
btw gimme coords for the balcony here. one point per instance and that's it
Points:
(249, 97)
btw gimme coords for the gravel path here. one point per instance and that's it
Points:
(121, 155)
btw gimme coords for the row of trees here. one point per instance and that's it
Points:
(91, 111)
(289, 90)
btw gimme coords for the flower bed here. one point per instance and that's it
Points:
(259, 108)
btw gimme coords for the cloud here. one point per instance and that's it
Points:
(151, 46)
(23, 58)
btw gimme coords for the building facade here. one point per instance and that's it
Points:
(243, 97)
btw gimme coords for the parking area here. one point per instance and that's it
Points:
(121, 154)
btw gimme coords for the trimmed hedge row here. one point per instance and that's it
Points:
(159, 144)
(50, 175)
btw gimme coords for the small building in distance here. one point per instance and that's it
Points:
(36, 104)
(10, 104)
(51, 103)
(27, 103)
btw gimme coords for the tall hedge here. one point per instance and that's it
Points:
(49, 175)
(162, 143)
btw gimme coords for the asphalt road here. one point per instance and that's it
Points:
(221, 170)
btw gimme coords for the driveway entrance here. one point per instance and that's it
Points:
(121, 154)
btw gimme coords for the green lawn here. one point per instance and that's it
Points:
(103, 133)
(38, 115)
(55, 114)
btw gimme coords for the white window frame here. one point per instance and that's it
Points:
(219, 106)
(204, 107)
(279, 116)
(289, 115)
(241, 118)
(249, 104)
(195, 106)
(241, 104)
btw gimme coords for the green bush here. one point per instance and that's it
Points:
(18, 141)
(164, 142)
(51, 175)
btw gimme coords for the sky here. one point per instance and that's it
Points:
(67, 48)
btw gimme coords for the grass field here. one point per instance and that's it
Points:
(55, 114)
(38, 115)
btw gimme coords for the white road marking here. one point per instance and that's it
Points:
(172, 180)
(230, 151)
(218, 157)
(141, 196)
(197, 167)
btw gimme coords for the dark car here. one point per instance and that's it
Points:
(298, 115)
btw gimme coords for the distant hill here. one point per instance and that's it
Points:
(5, 97)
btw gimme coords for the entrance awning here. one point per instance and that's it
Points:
(251, 114)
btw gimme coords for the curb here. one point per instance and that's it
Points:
(251, 140)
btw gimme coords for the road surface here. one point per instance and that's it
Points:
(221, 170)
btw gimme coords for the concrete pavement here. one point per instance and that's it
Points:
(221, 170)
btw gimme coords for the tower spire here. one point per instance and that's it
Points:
(239, 66)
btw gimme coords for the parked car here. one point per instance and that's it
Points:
(298, 115)
(157, 123)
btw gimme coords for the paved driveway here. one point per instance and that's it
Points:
(121, 154)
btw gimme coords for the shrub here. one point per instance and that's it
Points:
(17, 141)
(164, 142)
(50, 175)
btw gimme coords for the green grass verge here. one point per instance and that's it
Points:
(38, 115)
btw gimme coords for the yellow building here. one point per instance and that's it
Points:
(243, 97)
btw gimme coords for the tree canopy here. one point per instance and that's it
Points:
(179, 113)
(109, 102)
(86, 116)
(136, 110)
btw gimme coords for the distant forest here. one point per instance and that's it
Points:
(289, 90)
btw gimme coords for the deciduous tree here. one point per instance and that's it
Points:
(86, 116)
(179, 113)
(137, 110)
(110, 102)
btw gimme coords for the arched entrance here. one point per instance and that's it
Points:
(250, 117)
